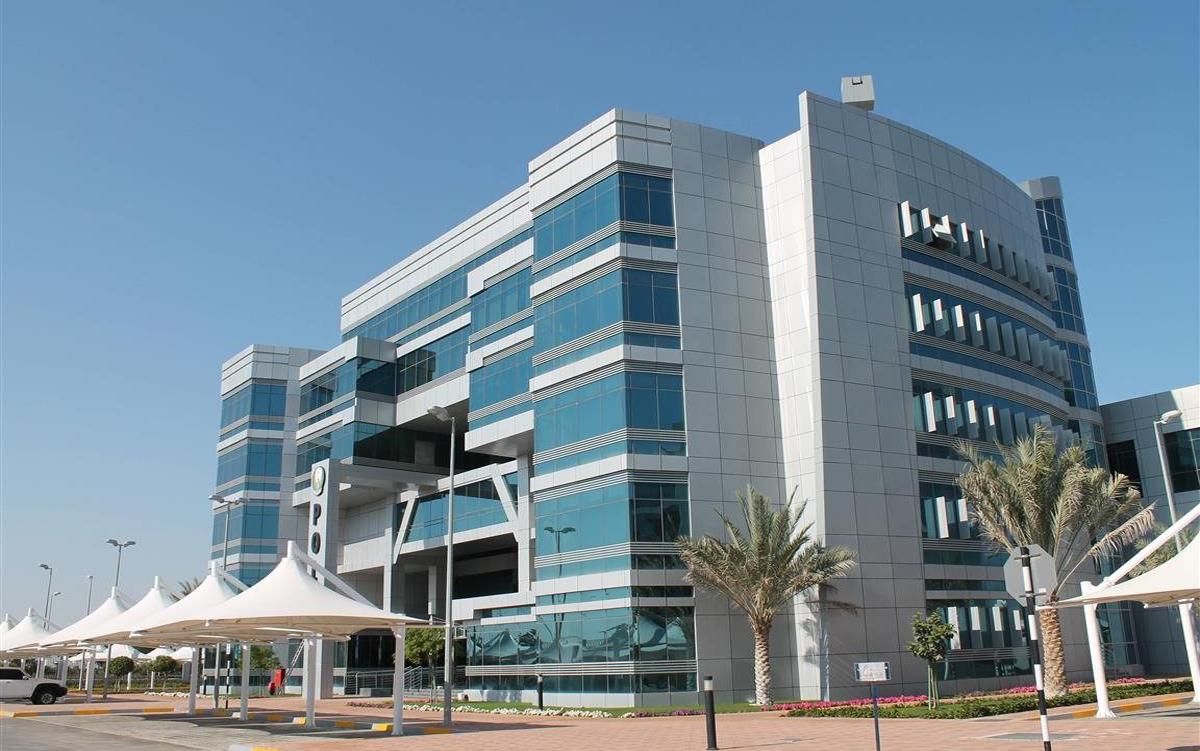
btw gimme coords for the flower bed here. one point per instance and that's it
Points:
(1018, 699)
(470, 709)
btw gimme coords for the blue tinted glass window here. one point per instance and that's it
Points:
(253, 458)
(623, 294)
(359, 374)
(476, 505)
(430, 299)
(621, 400)
(1183, 457)
(432, 361)
(501, 300)
(267, 399)
(500, 380)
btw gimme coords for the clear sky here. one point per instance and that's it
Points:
(182, 179)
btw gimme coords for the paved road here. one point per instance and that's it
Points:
(32, 735)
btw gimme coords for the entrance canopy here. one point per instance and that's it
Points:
(1166, 584)
(163, 626)
(69, 638)
(116, 630)
(289, 601)
(22, 639)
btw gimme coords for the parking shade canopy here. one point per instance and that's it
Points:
(290, 601)
(68, 639)
(116, 630)
(1176, 580)
(22, 639)
(162, 627)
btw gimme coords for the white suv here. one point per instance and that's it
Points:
(16, 686)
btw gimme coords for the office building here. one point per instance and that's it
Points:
(659, 315)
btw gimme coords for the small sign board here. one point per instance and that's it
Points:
(1042, 570)
(872, 672)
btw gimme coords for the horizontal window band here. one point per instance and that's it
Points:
(990, 357)
(612, 169)
(636, 667)
(928, 475)
(1044, 328)
(991, 655)
(443, 313)
(607, 551)
(492, 409)
(615, 436)
(616, 478)
(944, 379)
(507, 352)
(624, 366)
(620, 225)
(620, 327)
(970, 546)
(510, 271)
(622, 262)
(986, 271)
(485, 332)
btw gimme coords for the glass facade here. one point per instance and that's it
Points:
(624, 294)
(622, 400)
(430, 299)
(1122, 458)
(259, 399)
(1183, 458)
(476, 504)
(625, 512)
(622, 196)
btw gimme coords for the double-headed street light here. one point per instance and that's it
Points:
(228, 505)
(49, 579)
(444, 415)
(120, 546)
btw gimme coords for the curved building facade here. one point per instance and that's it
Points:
(660, 315)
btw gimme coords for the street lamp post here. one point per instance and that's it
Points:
(49, 579)
(444, 415)
(51, 605)
(1185, 608)
(228, 504)
(89, 600)
(120, 546)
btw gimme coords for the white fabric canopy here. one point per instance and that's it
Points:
(1168, 583)
(22, 639)
(163, 626)
(161, 652)
(67, 639)
(116, 630)
(5, 625)
(100, 654)
(183, 654)
(290, 601)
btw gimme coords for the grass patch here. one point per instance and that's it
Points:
(995, 705)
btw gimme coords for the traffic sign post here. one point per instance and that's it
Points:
(873, 672)
(1026, 554)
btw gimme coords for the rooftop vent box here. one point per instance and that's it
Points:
(859, 91)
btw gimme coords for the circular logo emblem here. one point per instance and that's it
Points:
(318, 480)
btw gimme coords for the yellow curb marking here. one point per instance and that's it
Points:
(435, 731)
(91, 711)
(382, 727)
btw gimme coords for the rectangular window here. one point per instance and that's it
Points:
(260, 399)
(621, 400)
(1122, 458)
(625, 512)
(623, 294)
(253, 458)
(626, 195)
(501, 300)
(1183, 457)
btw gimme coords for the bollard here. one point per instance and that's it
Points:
(710, 713)
(541, 690)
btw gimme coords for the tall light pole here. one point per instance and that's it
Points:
(49, 579)
(228, 505)
(89, 601)
(444, 415)
(1166, 470)
(120, 546)
(1185, 608)
(51, 605)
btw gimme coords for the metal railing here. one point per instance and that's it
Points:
(416, 680)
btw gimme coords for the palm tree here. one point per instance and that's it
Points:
(187, 585)
(1037, 494)
(762, 569)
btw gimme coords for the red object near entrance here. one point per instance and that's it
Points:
(277, 679)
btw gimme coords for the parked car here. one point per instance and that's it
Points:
(15, 685)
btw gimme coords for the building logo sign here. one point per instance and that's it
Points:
(318, 480)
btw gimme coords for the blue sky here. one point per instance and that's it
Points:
(179, 180)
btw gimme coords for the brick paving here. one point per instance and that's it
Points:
(750, 731)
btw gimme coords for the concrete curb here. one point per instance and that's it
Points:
(32, 713)
(377, 727)
(1129, 705)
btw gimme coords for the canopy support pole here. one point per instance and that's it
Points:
(1096, 652)
(91, 673)
(1189, 644)
(398, 682)
(310, 683)
(194, 680)
(245, 708)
